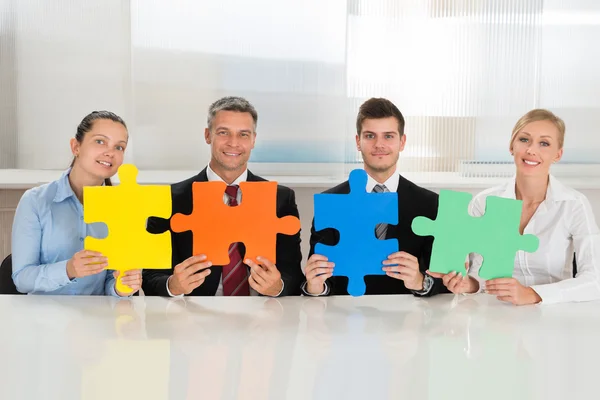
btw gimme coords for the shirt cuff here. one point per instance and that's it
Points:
(168, 291)
(325, 291)
(548, 294)
(62, 278)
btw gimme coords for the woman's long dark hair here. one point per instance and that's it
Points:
(86, 125)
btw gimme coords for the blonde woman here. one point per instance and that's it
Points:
(560, 216)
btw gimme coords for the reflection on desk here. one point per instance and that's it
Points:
(375, 347)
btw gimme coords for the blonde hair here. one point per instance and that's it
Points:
(539, 114)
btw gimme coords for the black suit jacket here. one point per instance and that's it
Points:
(413, 201)
(288, 259)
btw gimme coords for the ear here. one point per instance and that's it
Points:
(207, 135)
(74, 144)
(559, 155)
(402, 141)
(358, 142)
(253, 139)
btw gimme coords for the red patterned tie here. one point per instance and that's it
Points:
(235, 277)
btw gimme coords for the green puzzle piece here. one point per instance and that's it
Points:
(495, 235)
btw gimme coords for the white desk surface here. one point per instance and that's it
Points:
(377, 347)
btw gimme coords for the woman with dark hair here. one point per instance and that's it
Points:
(48, 229)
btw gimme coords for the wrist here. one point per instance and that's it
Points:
(535, 298)
(276, 288)
(70, 273)
(315, 289)
(173, 289)
(418, 283)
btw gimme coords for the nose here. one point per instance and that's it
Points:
(531, 150)
(109, 153)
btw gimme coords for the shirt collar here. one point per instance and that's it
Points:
(556, 191)
(391, 183)
(64, 190)
(212, 176)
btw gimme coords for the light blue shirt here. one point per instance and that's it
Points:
(48, 230)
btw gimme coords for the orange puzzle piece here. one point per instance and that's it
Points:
(254, 222)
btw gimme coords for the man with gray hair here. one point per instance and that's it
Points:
(231, 133)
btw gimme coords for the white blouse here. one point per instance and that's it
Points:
(565, 225)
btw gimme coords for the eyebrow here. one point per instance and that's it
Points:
(544, 136)
(385, 133)
(227, 129)
(106, 137)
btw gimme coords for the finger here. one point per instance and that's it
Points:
(435, 274)
(448, 277)
(501, 281)
(455, 283)
(403, 255)
(317, 257)
(265, 262)
(467, 266)
(197, 279)
(130, 279)
(402, 261)
(259, 275)
(321, 278)
(190, 261)
(402, 270)
(89, 253)
(253, 284)
(318, 272)
(499, 292)
(94, 260)
(133, 272)
(394, 275)
(194, 268)
(319, 264)
(499, 287)
(508, 299)
(132, 285)
(91, 269)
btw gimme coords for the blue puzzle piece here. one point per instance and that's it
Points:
(355, 216)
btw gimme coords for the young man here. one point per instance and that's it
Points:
(380, 138)
(231, 133)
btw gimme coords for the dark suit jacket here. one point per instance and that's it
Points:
(413, 201)
(288, 247)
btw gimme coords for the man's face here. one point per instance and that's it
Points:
(231, 138)
(380, 144)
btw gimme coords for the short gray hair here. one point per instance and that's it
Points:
(231, 103)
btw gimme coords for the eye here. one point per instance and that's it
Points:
(99, 141)
(545, 144)
(120, 148)
(524, 140)
(389, 136)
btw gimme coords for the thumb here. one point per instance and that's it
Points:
(116, 274)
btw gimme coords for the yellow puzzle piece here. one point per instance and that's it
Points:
(125, 209)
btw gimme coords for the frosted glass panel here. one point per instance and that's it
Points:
(289, 62)
(461, 71)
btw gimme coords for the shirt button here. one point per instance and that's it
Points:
(81, 239)
(82, 218)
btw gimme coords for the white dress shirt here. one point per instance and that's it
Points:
(213, 177)
(565, 224)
